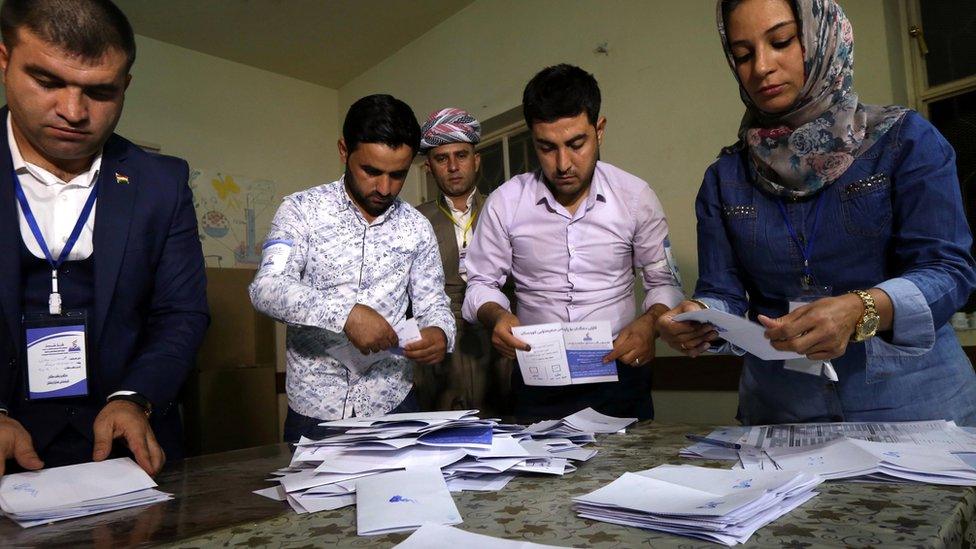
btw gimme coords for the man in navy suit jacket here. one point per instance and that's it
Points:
(134, 268)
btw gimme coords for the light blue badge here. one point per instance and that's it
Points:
(56, 362)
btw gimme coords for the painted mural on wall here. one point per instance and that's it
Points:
(234, 213)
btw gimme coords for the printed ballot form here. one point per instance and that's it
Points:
(566, 353)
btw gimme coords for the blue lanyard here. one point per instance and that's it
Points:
(807, 250)
(55, 299)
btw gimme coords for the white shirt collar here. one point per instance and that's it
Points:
(469, 201)
(84, 179)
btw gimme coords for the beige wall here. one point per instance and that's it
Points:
(227, 116)
(668, 95)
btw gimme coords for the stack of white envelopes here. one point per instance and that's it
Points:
(858, 459)
(712, 504)
(470, 454)
(50, 495)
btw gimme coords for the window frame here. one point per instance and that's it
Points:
(920, 94)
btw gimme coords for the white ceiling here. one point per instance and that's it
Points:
(327, 42)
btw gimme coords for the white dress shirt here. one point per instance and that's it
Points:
(462, 220)
(463, 227)
(56, 205)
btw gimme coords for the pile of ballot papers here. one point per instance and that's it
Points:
(59, 493)
(846, 458)
(468, 453)
(712, 504)
(931, 452)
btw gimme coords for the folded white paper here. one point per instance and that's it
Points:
(346, 353)
(714, 504)
(403, 500)
(741, 332)
(589, 420)
(70, 485)
(59, 493)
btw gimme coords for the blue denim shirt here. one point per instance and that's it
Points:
(894, 221)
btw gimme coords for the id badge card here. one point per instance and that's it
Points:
(57, 355)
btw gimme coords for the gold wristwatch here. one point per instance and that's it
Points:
(868, 325)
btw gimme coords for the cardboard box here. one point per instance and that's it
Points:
(238, 335)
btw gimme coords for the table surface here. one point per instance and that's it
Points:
(214, 506)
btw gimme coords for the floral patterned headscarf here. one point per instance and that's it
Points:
(798, 152)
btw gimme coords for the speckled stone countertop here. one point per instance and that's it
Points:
(214, 507)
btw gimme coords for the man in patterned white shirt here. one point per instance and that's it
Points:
(341, 264)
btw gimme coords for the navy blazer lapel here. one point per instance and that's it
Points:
(10, 243)
(116, 198)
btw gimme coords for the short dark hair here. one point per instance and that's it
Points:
(86, 28)
(561, 91)
(383, 119)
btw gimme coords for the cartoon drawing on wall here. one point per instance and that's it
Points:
(234, 213)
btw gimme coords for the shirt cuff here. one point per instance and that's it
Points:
(120, 393)
(720, 346)
(447, 336)
(476, 296)
(668, 295)
(913, 330)
(713, 303)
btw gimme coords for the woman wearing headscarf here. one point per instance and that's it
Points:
(837, 225)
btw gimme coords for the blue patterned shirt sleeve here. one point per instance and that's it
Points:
(281, 294)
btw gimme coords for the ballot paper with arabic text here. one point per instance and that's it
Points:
(932, 433)
(566, 353)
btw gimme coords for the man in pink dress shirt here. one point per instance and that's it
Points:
(571, 237)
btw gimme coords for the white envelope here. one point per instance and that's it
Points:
(407, 331)
(590, 421)
(741, 332)
(402, 501)
(70, 485)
